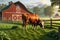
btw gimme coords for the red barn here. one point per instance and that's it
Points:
(13, 11)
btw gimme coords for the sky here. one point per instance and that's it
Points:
(28, 2)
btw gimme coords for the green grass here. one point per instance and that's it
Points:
(21, 34)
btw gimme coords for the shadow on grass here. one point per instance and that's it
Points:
(13, 28)
(52, 35)
(48, 27)
(11, 22)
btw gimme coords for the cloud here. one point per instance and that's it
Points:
(46, 2)
(28, 1)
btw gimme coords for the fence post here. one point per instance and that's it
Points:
(50, 22)
(58, 32)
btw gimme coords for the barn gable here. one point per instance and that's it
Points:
(18, 3)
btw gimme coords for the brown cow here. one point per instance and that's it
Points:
(33, 19)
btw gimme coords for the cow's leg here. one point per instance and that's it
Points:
(23, 25)
(34, 27)
(26, 24)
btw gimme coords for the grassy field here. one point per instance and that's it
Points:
(8, 32)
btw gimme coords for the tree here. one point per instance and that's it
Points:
(55, 2)
(2, 6)
(48, 11)
(36, 9)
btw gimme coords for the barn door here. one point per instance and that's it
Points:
(16, 17)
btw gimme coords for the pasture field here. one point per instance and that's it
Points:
(14, 31)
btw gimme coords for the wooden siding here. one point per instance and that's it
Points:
(14, 12)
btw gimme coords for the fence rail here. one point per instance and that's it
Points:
(48, 19)
(51, 21)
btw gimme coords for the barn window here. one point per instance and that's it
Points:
(17, 7)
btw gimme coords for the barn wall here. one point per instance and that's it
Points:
(13, 13)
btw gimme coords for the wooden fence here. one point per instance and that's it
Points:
(52, 21)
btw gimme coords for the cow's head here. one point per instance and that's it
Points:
(42, 24)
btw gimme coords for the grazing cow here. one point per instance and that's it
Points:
(33, 19)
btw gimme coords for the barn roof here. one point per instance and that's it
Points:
(21, 5)
(17, 3)
(6, 7)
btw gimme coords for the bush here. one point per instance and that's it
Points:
(53, 34)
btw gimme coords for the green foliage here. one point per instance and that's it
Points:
(53, 34)
(59, 10)
(36, 10)
(55, 2)
(48, 11)
(2, 6)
